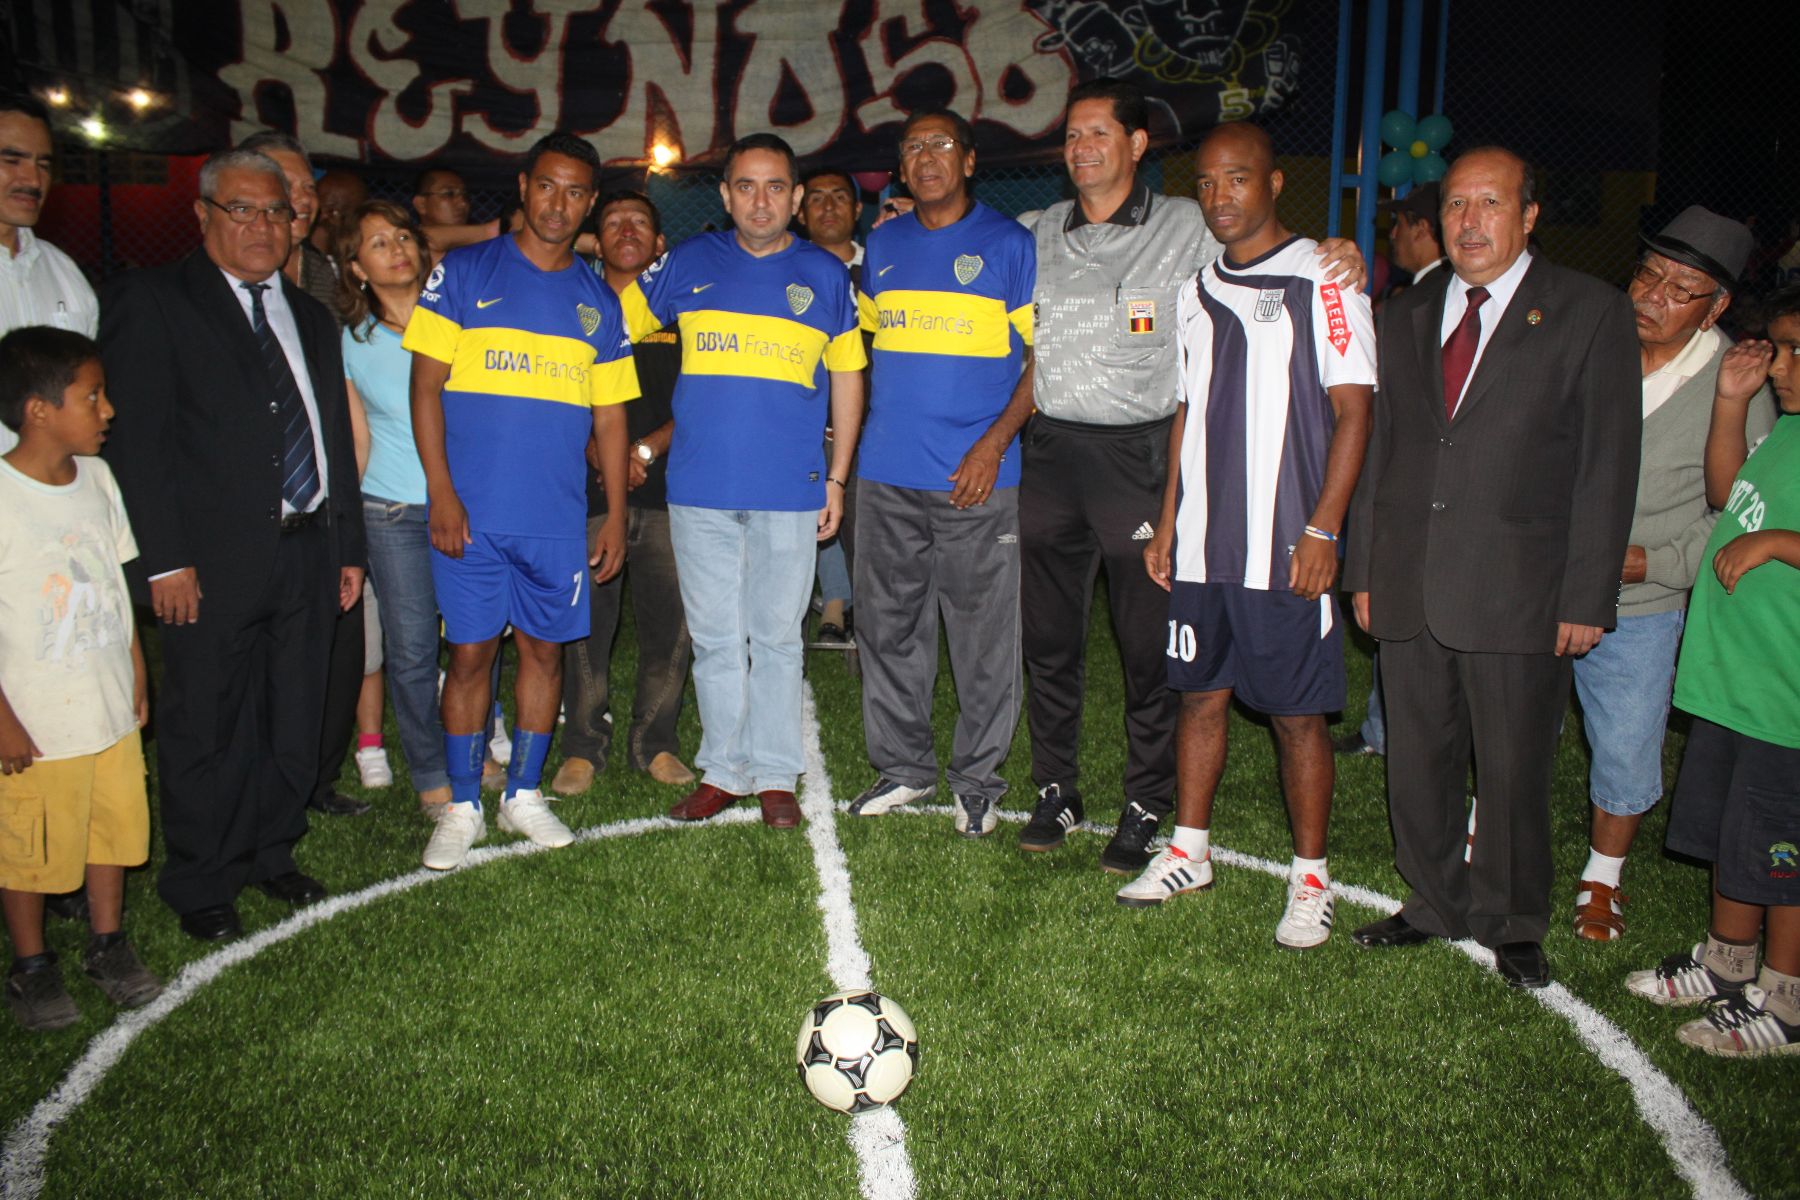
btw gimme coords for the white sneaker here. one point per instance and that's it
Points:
(1169, 874)
(527, 813)
(459, 828)
(499, 744)
(886, 795)
(1306, 922)
(1682, 981)
(373, 768)
(976, 816)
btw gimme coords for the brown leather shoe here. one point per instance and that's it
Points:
(666, 768)
(1599, 912)
(703, 802)
(779, 809)
(575, 776)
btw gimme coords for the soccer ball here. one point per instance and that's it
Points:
(857, 1051)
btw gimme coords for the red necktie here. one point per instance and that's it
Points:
(1459, 350)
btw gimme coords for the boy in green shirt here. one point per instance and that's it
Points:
(1737, 801)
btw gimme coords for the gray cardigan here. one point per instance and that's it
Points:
(1671, 521)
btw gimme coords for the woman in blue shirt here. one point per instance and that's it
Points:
(383, 255)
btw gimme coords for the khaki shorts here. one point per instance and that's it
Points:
(58, 816)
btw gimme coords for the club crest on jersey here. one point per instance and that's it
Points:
(799, 298)
(1268, 304)
(436, 279)
(590, 318)
(1141, 316)
(967, 267)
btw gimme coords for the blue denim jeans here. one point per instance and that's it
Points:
(399, 538)
(745, 581)
(1624, 685)
(1374, 726)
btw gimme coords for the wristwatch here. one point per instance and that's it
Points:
(644, 453)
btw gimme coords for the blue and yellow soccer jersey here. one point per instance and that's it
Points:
(531, 354)
(950, 310)
(758, 339)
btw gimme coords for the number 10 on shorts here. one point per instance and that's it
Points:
(1182, 643)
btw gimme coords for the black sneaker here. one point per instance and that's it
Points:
(38, 998)
(117, 971)
(1057, 812)
(1129, 850)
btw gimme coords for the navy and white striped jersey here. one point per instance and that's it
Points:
(1260, 344)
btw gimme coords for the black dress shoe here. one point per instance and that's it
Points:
(293, 888)
(1522, 964)
(216, 924)
(1352, 745)
(336, 804)
(1388, 932)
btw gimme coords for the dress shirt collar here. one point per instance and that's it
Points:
(1500, 292)
(27, 252)
(1424, 272)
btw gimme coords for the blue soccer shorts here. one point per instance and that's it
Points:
(1278, 653)
(539, 585)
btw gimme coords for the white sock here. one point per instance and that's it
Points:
(1195, 843)
(1601, 869)
(1309, 866)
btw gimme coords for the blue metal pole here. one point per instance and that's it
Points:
(1443, 55)
(1412, 38)
(1340, 118)
(1374, 71)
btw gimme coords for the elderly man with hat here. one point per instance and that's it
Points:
(1678, 292)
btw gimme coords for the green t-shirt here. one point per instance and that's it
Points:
(1740, 656)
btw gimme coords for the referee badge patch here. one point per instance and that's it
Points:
(799, 298)
(1268, 304)
(590, 318)
(967, 267)
(1140, 316)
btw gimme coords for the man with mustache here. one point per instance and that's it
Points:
(1485, 543)
(39, 284)
(519, 359)
(1678, 293)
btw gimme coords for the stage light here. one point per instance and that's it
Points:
(139, 99)
(663, 155)
(58, 97)
(94, 127)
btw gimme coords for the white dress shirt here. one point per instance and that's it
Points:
(40, 285)
(281, 322)
(1456, 302)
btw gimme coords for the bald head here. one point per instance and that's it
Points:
(1246, 143)
(1237, 185)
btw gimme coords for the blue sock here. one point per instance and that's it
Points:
(527, 767)
(463, 755)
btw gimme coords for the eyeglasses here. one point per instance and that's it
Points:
(917, 146)
(244, 214)
(1678, 295)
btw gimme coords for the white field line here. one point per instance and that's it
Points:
(28, 1143)
(1690, 1141)
(878, 1137)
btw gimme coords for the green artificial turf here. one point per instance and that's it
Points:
(617, 1018)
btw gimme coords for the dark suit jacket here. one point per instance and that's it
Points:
(1491, 528)
(194, 445)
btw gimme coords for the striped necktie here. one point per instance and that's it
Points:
(299, 463)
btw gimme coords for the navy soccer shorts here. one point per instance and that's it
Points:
(1279, 654)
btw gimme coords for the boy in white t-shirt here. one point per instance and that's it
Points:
(72, 682)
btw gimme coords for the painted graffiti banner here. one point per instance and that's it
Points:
(470, 83)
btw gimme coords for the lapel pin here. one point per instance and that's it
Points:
(1534, 316)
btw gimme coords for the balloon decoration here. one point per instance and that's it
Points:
(871, 181)
(1414, 158)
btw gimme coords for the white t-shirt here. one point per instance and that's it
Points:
(65, 616)
(40, 285)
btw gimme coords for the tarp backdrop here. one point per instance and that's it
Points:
(471, 83)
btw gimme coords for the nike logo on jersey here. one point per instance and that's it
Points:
(885, 270)
(1144, 533)
(489, 303)
(701, 287)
